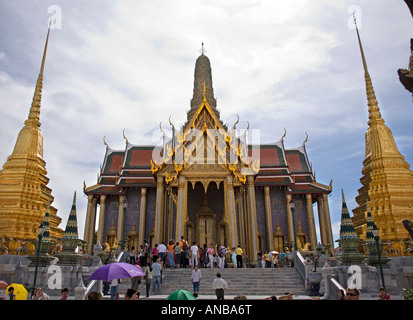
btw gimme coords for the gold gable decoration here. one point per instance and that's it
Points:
(204, 125)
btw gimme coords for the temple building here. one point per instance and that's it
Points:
(387, 181)
(207, 183)
(24, 194)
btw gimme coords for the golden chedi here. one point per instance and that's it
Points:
(24, 194)
(387, 182)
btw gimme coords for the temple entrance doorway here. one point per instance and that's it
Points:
(205, 213)
(205, 224)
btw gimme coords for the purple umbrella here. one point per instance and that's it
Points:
(116, 270)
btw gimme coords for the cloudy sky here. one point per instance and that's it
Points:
(114, 65)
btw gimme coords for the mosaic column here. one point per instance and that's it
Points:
(327, 219)
(88, 218)
(268, 218)
(252, 236)
(290, 226)
(182, 209)
(101, 219)
(311, 222)
(142, 216)
(321, 222)
(158, 210)
(230, 209)
(92, 223)
(242, 210)
(121, 219)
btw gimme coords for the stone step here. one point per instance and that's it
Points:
(247, 281)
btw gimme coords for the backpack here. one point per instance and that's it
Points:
(185, 246)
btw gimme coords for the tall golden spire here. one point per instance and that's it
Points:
(374, 111)
(34, 114)
(387, 182)
(24, 193)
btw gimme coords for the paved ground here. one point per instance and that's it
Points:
(255, 297)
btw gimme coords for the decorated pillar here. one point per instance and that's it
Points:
(88, 218)
(121, 219)
(290, 226)
(321, 222)
(159, 209)
(142, 216)
(327, 219)
(252, 237)
(101, 219)
(268, 218)
(311, 222)
(92, 225)
(242, 210)
(182, 210)
(230, 208)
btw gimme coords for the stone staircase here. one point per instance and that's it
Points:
(244, 281)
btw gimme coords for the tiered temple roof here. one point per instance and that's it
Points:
(278, 167)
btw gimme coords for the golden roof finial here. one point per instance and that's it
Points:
(160, 127)
(285, 133)
(124, 137)
(235, 124)
(173, 127)
(246, 130)
(306, 138)
(104, 141)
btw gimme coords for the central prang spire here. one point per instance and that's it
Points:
(202, 76)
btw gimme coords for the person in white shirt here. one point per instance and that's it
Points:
(114, 288)
(196, 279)
(162, 250)
(219, 285)
(156, 275)
(194, 254)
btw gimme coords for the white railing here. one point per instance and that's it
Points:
(299, 265)
(334, 287)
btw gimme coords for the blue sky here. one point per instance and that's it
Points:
(117, 65)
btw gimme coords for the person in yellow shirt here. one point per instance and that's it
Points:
(238, 253)
(171, 259)
(267, 259)
(184, 252)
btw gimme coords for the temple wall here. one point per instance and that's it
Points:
(111, 214)
(150, 211)
(300, 213)
(278, 211)
(133, 211)
(261, 224)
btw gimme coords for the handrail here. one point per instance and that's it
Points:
(337, 286)
(92, 283)
(299, 265)
(88, 288)
(119, 256)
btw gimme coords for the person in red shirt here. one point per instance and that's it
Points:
(383, 294)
